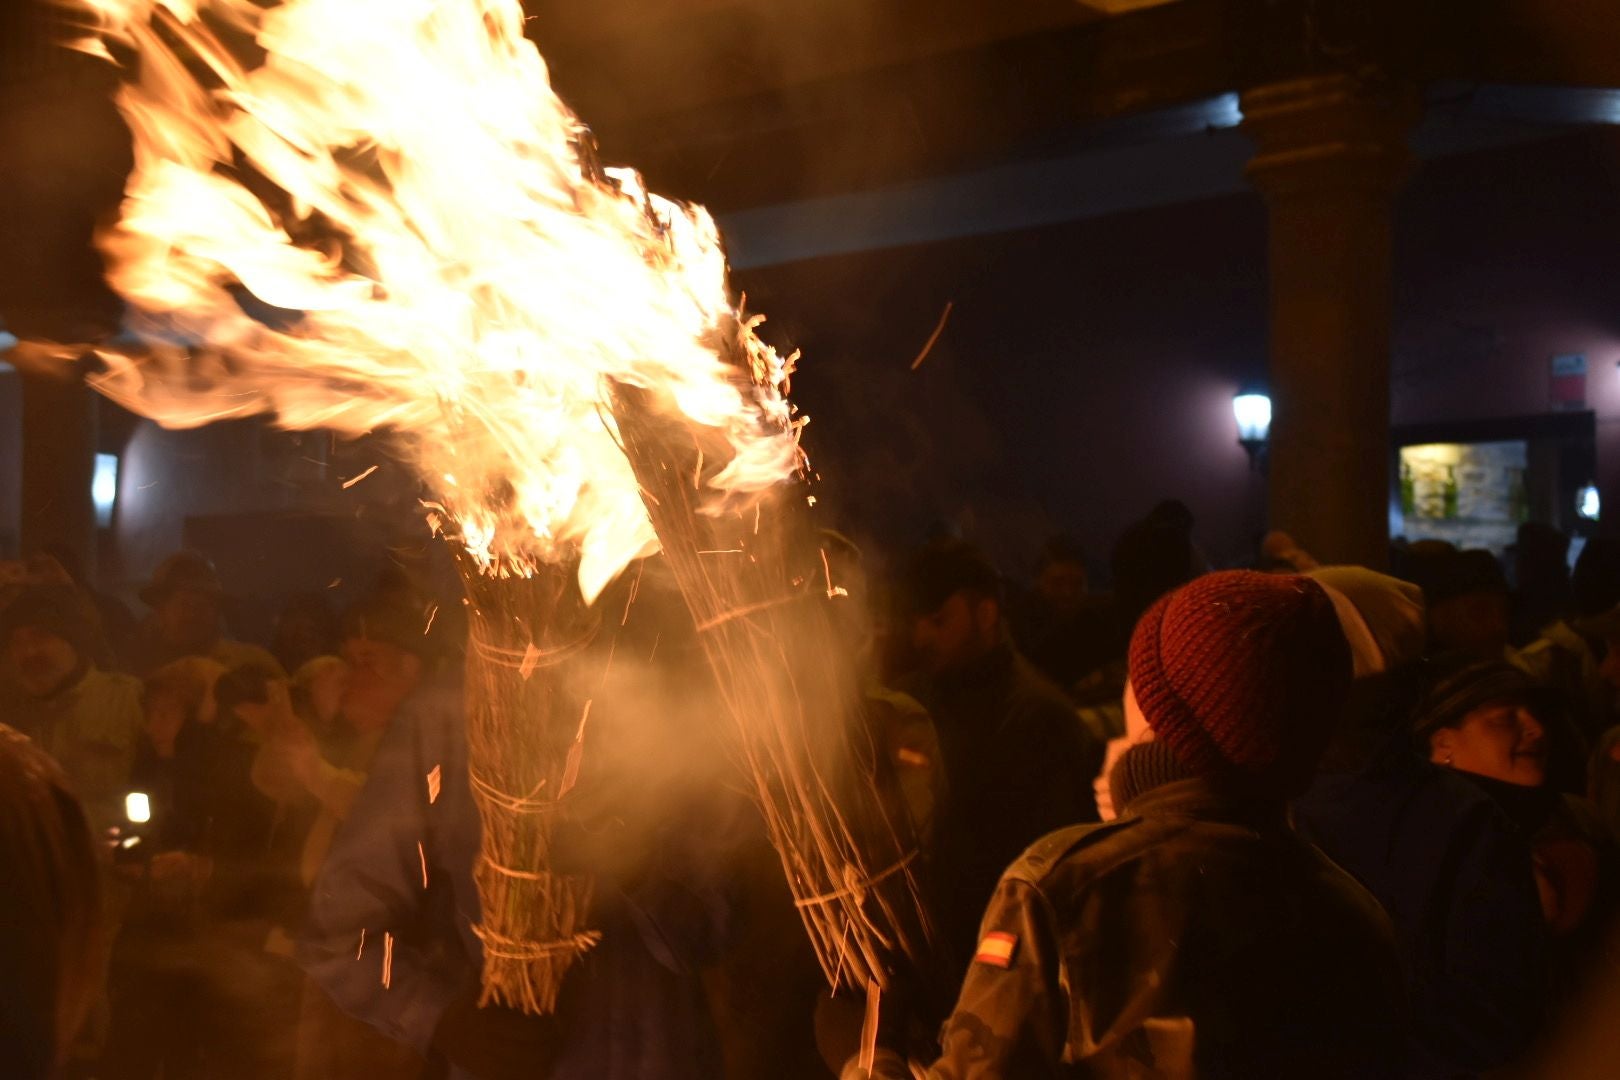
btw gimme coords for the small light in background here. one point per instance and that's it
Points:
(1225, 111)
(1588, 503)
(104, 488)
(137, 808)
(1252, 409)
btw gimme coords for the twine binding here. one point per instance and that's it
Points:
(858, 889)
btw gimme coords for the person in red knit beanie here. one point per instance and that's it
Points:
(1196, 935)
(1242, 675)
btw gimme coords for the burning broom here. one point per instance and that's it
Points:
(556, 354)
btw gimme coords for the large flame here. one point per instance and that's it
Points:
(448, 262)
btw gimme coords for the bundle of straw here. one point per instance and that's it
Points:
(759, 590)
(528, 631)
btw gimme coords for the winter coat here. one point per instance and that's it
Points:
(1196, 936)
(1575, 869)
(1455, 876)
(1018, 764)
(390, 936)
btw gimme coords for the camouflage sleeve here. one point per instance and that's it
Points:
(1012, 1016)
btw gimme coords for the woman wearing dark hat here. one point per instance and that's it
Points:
(1444, 861)
(1496, 728)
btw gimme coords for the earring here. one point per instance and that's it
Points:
(1448, 759)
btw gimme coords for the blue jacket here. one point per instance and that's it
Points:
(637, 992)
(1455, 876)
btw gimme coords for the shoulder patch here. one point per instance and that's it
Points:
(997, 949)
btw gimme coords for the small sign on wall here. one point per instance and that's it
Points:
(1566, 389)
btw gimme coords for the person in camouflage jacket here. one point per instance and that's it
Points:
(1197, 935)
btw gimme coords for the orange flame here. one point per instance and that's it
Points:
(449, 263)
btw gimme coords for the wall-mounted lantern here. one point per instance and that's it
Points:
(104, 488)
(1252, 408)
(1588, 503)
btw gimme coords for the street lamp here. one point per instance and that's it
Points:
(104, 488)
(1252, 408)
(1588, 503)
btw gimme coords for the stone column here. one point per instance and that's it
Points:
(1330, 154)
(58, 460)
(64, 154)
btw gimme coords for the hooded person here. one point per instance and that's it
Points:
(1196, 935)
(1382, 617)
(51, 690)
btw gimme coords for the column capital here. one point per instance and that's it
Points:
(1329, 132)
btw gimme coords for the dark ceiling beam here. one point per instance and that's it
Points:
(642, 58)
(1548, 42)
(941, 113)
(863, 125)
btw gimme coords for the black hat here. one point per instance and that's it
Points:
(1458, 691)
(182, 570)
(937, 572)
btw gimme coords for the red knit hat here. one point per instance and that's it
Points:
(1243, 675)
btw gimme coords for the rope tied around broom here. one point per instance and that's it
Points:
(857, 889)
(515, 804)
(743, 612)
(529, 658)
(499, 945)
(521, 875)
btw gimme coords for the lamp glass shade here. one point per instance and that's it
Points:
(1253, 413)
(1588, 503)
(104, 488)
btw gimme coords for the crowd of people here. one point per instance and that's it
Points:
(1286, 820)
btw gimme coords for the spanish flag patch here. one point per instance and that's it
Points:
(997, 950)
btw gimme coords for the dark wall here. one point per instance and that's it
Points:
(1087, 369)
(1085, 372)
(1506, 260)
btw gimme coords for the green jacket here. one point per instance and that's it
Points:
(1196, 936)
(91, 728)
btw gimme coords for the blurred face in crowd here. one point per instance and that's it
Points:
(380, 677)
(962, 630)
(848, 598)
(40, 662)
(188, 620)
(1501, 740)
(165, 712)
(1474, 623)
(1062, 585)
(298, 632)
(327, 688)
(1136, 731)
